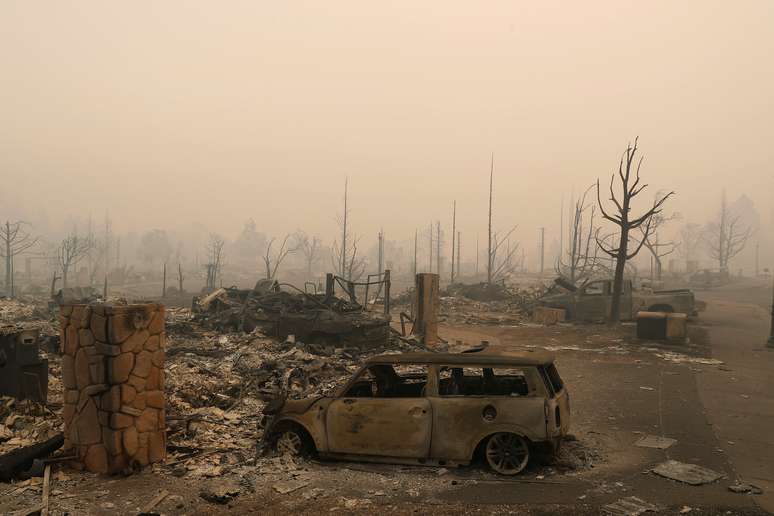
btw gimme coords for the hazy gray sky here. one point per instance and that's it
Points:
(176, 111)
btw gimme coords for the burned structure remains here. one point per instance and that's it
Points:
(23, 373)
(318, 318)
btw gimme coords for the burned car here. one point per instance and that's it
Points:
(432, 408)
(592, 302)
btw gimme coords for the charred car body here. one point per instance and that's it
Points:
(432, 408)
(592, 302)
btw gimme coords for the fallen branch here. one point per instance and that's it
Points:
(148, 509)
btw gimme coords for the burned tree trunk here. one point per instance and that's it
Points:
(629, 176)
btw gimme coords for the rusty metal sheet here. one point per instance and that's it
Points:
(688, 473)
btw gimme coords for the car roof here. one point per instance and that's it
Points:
(484, 357)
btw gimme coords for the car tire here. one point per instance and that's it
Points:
(507, 453)
(294, 442)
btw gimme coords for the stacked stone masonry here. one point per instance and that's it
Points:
(113, 376)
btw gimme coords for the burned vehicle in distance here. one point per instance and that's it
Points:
(432, 408)
(592, 302)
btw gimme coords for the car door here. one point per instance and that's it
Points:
(557, 402)
(593, 302)
(472, 401)
(387, 424)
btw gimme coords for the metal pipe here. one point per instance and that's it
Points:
(771, 333)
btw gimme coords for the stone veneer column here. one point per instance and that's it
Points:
(113, 376)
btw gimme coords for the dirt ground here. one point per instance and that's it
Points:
(712, 395)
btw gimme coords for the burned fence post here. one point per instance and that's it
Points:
(426, 306)
(387, 292)
(329, 286)
(113, 376)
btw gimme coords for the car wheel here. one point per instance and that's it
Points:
(293, 442)
(507, 453)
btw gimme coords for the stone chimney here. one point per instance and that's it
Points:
(113, 375)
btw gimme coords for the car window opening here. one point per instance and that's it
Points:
(464, 381)
(383, 381)
(553, 376)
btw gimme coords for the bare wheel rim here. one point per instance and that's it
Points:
(290, 443)
(507, 453)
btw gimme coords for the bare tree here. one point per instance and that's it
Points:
(499, 264)
(214, 253)
(346, 262)
(654, 241)
(14, 240)
(72, 250)
(502, 254)
(691, 239)
(580, 262)
(727, 236)
(310, 247)
(272, 261)
(97, 255)
(630, 188)
(355, 265)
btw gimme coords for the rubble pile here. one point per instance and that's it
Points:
(217, 385)
(518, 298)
(483, 304)
(24, 423)
(311, 317)
(19, 313)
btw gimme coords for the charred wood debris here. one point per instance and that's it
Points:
(228, 356)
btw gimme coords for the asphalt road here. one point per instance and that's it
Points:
(740, 402)
(620, 390)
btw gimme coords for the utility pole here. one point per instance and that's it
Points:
(454, 236)
(430, 265)
(344, 233)
(382, 275)
(489, 248)
(381, 252)
(478, 253)
(542, 249)
(771, 333)
(561, 229)
(107, 243)
(438, 250)
(459, 266)
(414, 271)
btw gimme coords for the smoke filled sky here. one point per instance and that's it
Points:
(180, 112)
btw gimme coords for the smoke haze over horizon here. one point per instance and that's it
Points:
(179, 115)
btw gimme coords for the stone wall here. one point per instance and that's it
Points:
(113, 376)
